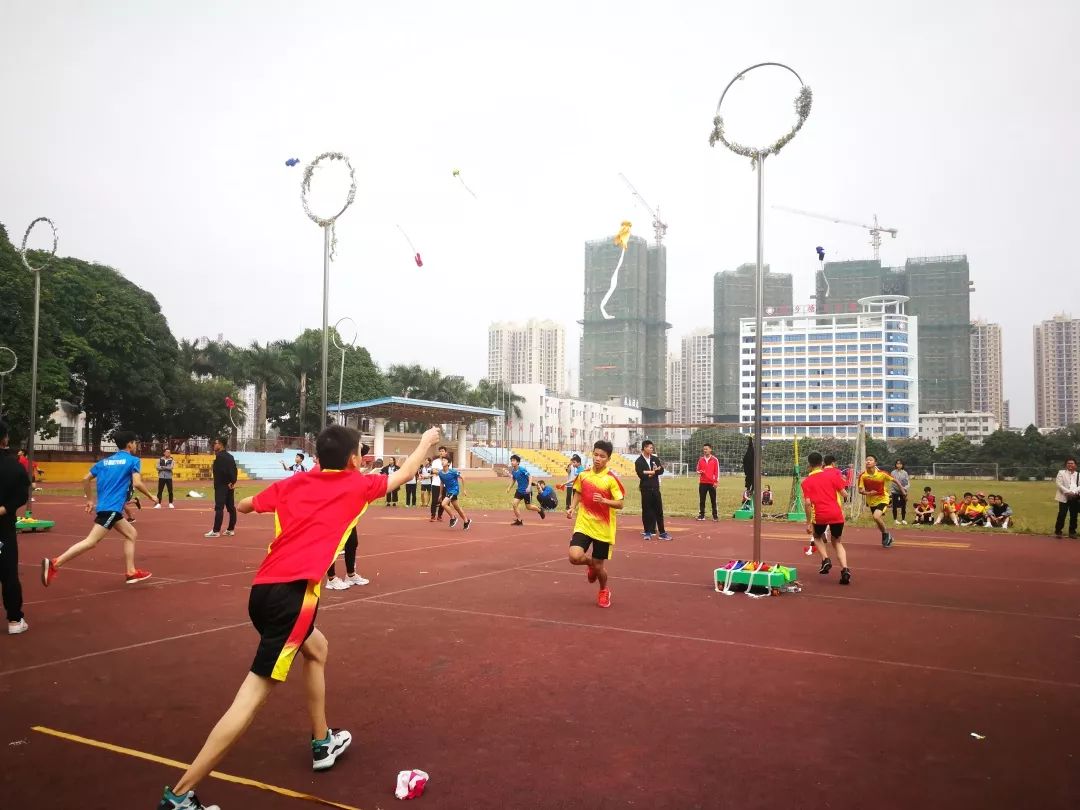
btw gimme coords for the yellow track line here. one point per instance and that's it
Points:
(239, 780)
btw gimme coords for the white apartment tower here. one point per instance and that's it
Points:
(1057, 372)
(697, 376)
(852, 367)
(675, 388)
(986, 386)
(529, 353)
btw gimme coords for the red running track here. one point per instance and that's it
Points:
(482, 658)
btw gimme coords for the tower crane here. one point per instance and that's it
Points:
(659, 226)
(876, 230)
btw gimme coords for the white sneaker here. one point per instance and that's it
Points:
(324, 753)
(356, 579)
(212, 534)
(171, 506)
(229, 532)
(336, 584)
(157, 505)
(19, 627)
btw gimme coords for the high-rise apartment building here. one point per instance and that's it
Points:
(939, 293)
(697, 376)
(733, 299)
(851, 367)
(626, 355)
(676, 413)
(533, 352)
(1057, 372)
(986, 382)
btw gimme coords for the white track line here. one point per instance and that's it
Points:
(928, 605)
(741, 644)
(147, 585)
(114, 573)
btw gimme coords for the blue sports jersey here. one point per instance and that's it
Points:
(521, 475)
(547, 493)
(451, 481)
(113, 476)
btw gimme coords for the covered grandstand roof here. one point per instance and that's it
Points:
(404, 409)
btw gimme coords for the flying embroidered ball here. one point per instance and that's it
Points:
(230, 403)
(292, 161)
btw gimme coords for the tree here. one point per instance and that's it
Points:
(915, 453)
(265, 366)
(955, 449)
(406, 381)
(197, 409)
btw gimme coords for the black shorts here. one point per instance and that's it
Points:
(523, 496)
(451, 498)
(552, 504)
(600, 549)
(425, 486)
(878, 507)
(108, 519)
(284, 614)
(835, 530)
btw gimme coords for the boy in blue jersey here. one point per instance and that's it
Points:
(545, 495)
(115, 476)
(519, 485)
(451, 482)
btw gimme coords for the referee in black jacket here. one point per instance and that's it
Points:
(225, 475)
(649, 468)
(14, 490)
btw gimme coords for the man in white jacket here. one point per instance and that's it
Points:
(1068, 498)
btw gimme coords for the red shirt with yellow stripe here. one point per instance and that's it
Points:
(313, 516)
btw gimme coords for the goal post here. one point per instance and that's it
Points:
(784, 450)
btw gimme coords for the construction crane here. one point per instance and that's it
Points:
(875, 230)
(659, 226)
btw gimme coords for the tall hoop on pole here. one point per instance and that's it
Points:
(329, 244)
(37, 323)
(757, 157)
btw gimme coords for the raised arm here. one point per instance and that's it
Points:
(406, 471)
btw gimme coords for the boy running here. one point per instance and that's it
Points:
(822, 492)
(451, 481)
(872, 484)
(597, 494)
(313, 514)
(115, 476)
(521, 479)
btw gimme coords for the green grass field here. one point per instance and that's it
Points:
(1032, 502)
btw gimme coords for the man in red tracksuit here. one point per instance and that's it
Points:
(708, 468)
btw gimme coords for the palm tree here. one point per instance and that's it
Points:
(305, 357)
(406, 381)
(265, 366)
(496, 395)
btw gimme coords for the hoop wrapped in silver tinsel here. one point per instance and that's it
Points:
(803, 102)
(26, 236)
(305, 187)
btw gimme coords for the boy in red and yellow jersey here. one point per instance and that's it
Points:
(822, 493)
(313, 516)
(874, 485)
(597, 494)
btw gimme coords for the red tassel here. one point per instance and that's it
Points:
(419, 261)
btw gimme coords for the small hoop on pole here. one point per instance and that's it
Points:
(26, 237)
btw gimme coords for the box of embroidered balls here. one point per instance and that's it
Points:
(749, 573)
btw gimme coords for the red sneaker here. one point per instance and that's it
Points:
(604, 598)
(590, 573)
(138, 575)
(48, 571)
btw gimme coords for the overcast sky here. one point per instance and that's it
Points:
(155, 135)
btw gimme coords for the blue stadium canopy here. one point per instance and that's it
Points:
(404, 409)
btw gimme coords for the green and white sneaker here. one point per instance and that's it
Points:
(189, 801)
(324, 753)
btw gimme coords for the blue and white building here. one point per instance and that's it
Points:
(857, 366)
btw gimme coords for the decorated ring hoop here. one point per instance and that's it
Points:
(305, 187)
(26, 237)
(803, 102)
(14, 360)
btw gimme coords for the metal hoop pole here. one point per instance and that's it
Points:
(341, 347)
(759, 311)
(325, 320)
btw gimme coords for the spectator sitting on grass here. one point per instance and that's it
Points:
(1000, 514)
(924, 512)
(948, 511)
(928, 494)
(972, 513)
